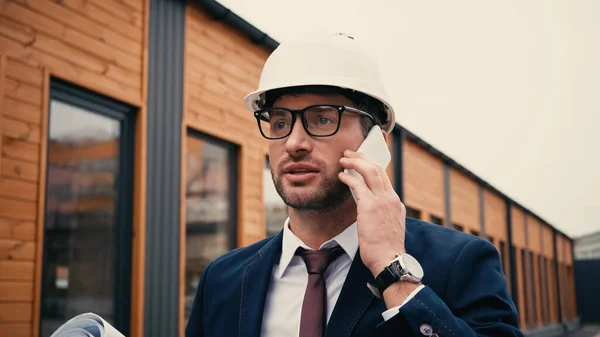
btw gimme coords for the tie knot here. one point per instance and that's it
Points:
(317, 261)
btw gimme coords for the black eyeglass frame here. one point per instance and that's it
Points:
(340, 109)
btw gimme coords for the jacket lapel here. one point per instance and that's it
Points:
(255, 282)
(354, 299)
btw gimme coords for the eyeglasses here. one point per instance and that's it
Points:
(318, 120)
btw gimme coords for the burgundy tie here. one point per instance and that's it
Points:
(312, 321)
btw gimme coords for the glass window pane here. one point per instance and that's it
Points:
(80, 220)
(275, 209)
(209, 209)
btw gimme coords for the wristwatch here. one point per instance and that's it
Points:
(403, 268)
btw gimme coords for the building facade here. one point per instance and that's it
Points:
(128, 163)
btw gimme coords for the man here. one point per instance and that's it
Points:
(342, 267)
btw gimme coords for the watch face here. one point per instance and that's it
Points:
(412, 266)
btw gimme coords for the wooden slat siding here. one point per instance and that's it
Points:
(423, 180)
(569, 253)
(15, 313)
(11, 291)
(16, 271)
(220, 41)
(137, 5)
(24, 73)
(15, 250)
(22, 92)
(17, 229)
(464, 201)
(100, 15)
(559, 249)
(76, 22)
(20, 111)
(533, 229)
(518, 227)
(20, 150)
(71, 54)
(2, 99)
(548, 244)
(18, 190)
(19, 170)
(223, 65)
(495, 215)
(208, 82)
(18, 130)
(199, 67)
(120, 11)
(15, 330)
(67, 71)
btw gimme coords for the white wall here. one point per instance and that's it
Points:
(509, 89)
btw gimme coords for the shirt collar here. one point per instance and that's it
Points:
(348, 240)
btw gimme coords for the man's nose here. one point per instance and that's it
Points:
(298, 140)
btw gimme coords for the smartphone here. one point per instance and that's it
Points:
(375, 148)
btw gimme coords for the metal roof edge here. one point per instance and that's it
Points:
(219, 12)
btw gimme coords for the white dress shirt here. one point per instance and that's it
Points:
(283, 305)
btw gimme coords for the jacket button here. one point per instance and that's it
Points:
(426, 330)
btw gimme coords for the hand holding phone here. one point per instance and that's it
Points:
(375, 148)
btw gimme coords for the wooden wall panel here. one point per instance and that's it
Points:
(533, 234)
(548, 245)
(464, 201)
(518, 227)
(423, 180)
(559, 249)
(19, 192)
(221, 68)
(568, 252)
(96, 44)
(495, 215)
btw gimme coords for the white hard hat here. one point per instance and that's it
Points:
(337, 60)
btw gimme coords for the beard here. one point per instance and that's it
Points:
(329, 195)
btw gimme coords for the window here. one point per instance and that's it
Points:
(211, 206)
(474, 232)
(459, 228)
(413, 213)
(436, 220)
(88, 209)
(275, 209)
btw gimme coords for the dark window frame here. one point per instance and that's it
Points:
(125, 114)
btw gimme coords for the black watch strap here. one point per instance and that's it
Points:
(382, 282)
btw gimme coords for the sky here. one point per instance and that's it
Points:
(509, 89)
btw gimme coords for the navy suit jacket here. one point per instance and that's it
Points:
(465, 291)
